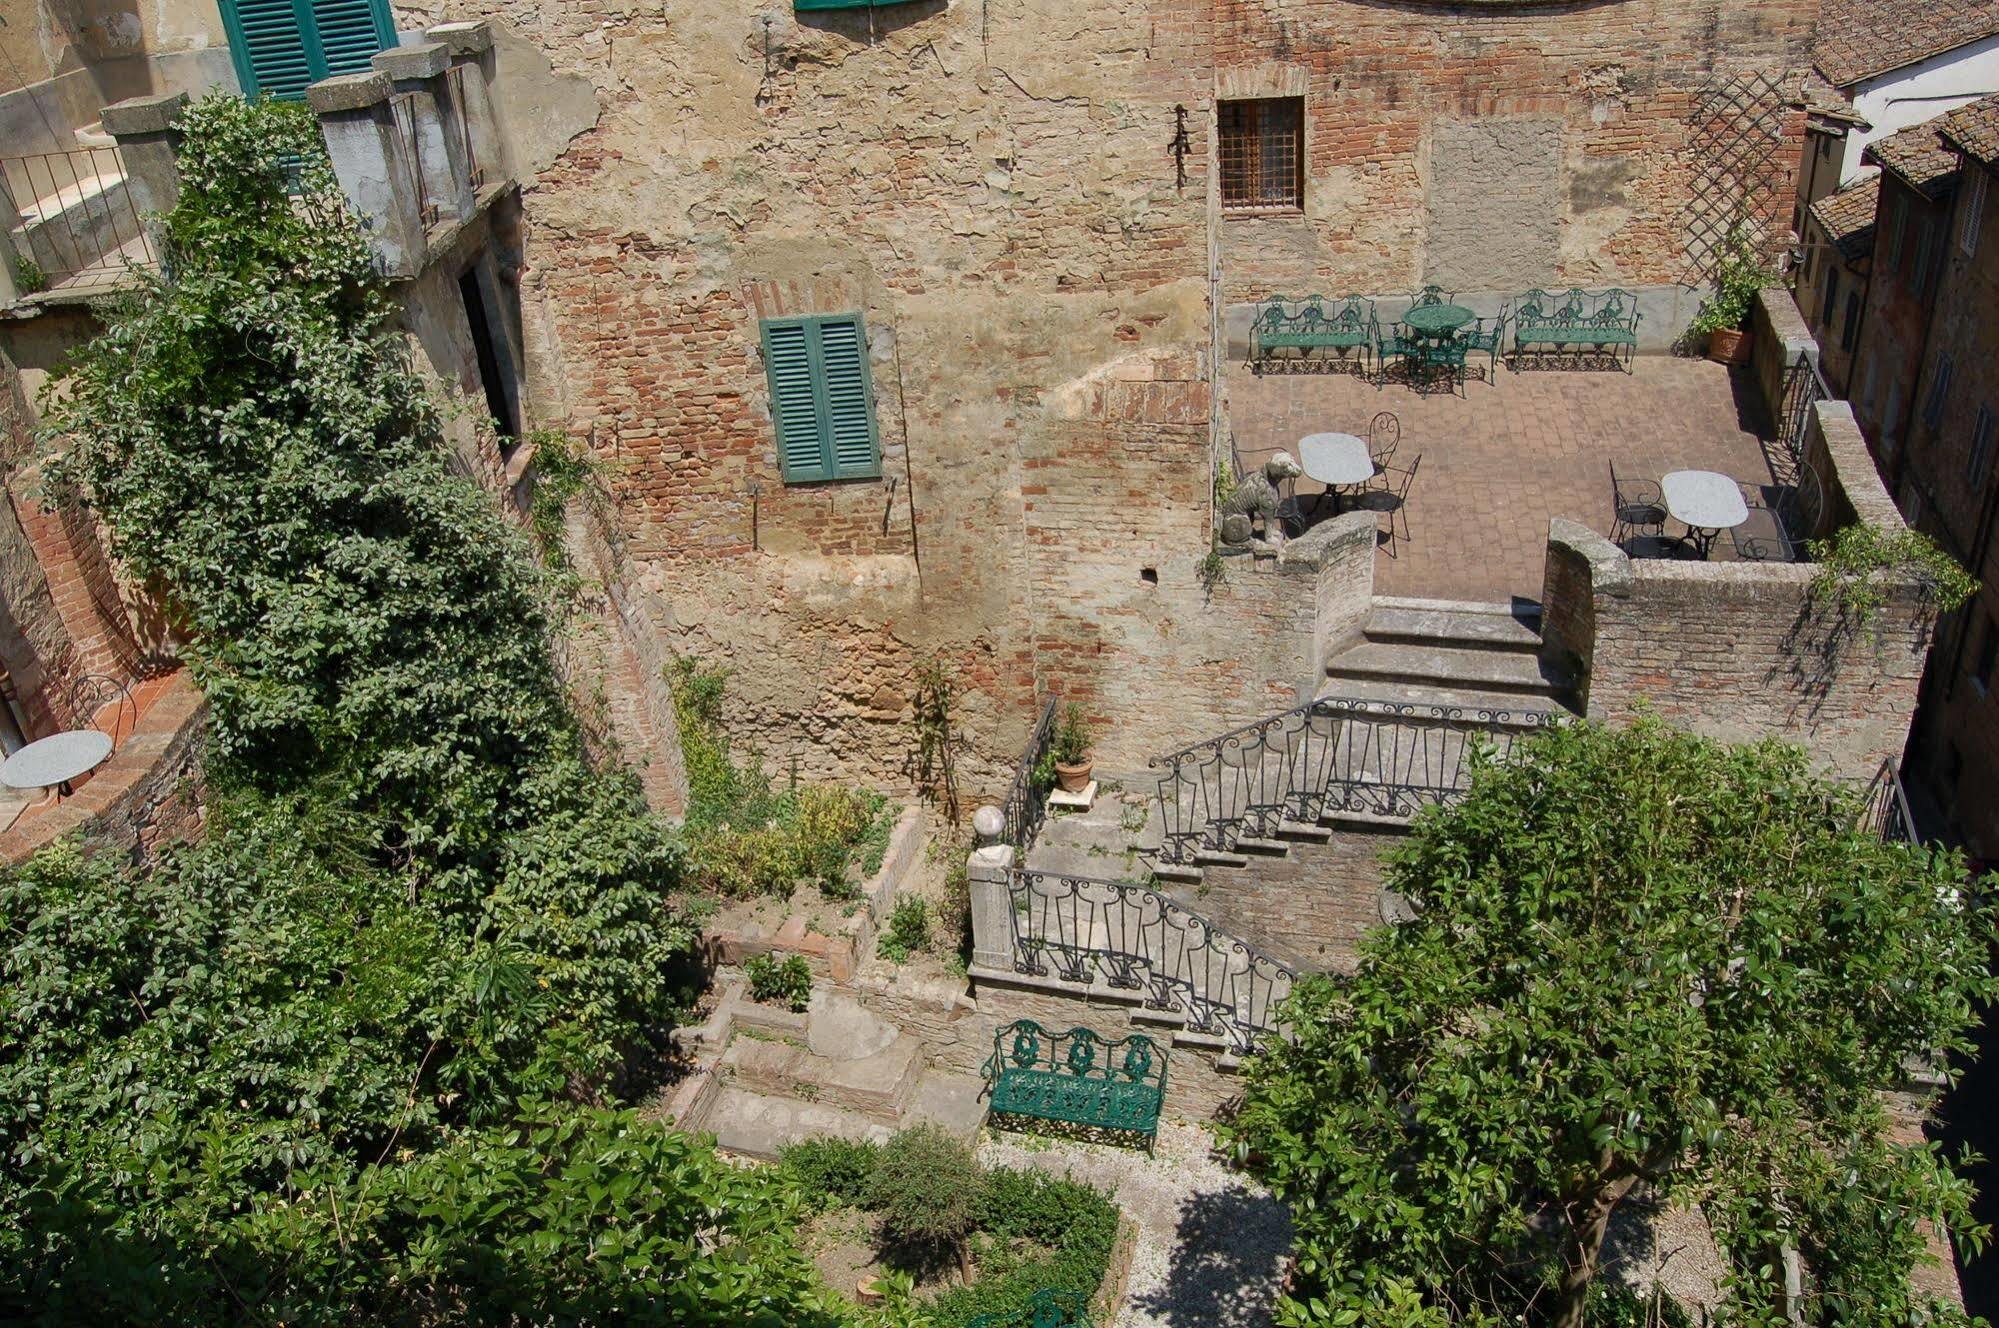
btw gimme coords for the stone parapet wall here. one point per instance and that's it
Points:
(1309, 908)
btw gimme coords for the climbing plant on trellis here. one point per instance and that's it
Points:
(1741, 171)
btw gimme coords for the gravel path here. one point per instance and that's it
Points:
(1211, 1242)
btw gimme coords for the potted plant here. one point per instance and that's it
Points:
(1071, 750)
(1724, 316)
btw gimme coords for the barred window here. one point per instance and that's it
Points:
(1263, 153)
(1979, 464)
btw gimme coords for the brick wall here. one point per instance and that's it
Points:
(1308, 909)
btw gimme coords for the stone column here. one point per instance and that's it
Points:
(148, 134)
(372, 167)
(416, 73)
(991, 906)
(473, 64)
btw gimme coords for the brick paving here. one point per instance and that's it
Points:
(1503, 458)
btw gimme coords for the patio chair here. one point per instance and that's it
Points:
(1637, 511)
(1433, 295)
(1384, 434)
(1480, 337)
(1390, 494)
(1777, 531)
(92, 696)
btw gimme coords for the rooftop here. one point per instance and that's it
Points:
(1504, 457)
(1848, 217)
(1860, 39)
(1917, 157)
(1974, 129)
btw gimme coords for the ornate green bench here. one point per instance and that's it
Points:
(1115, 1087)
(1576, 325)
(1044, 1309)
(1346, 326)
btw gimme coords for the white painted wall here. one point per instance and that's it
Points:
(1920, 92)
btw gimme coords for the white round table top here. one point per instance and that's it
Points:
(55, 759)
(1335, 458)
(1704, 499)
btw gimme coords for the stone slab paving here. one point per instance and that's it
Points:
(1211, 1243)
(1506, 456)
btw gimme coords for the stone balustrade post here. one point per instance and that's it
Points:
(986, 879)
(148, 133)
(474, 65)
(10, 286)
(362, 139)
(426, 116)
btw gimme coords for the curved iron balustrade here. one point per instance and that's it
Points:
(1332, 754)
(1027, 801)
(1084, 930)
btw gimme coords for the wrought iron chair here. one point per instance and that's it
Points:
(1433, 295)
(1779, 530)
(1390, 493)
(91, 695)
(1479, 337)
(1384, 435)
(1638, 508)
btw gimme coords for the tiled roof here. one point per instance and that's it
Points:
(1858, 39)
(1974, 129)
(1918, 156)
(1848, 217)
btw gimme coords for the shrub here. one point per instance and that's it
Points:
(908, 929)
(773, 980)
(929, 1189)
(831, 1172)
(1071, 744)
(1075, 1224)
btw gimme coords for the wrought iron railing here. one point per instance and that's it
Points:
(1804, 388)
(1886, 810)
(1329, 755)
(79, 226)
(461, 119)
(1027, 800)
(1132, 938)
(408, 142)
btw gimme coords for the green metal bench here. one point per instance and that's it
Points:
(1044, 1309)
(1578, 326)
(1115, 1086)
(1345, 326)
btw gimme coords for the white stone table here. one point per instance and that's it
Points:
(1336, 460)
(56, 760)
(1705, 502)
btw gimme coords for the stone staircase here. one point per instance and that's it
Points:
(1483, 657)
(770, 1076)
(77, 220)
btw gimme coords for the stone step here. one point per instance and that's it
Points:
(1522, 709)
(759, 1124)
(877, 1085)
(1494, 627)
(1443, 666)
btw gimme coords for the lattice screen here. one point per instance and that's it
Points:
(1741, 169)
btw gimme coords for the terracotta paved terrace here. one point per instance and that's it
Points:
(1505, 456)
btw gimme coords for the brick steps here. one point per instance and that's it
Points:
(1468, 625)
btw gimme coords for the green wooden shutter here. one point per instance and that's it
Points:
(281, 46)
(850, 414)
(821, 397)
(794, 406)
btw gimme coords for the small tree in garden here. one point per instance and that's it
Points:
(1641, 961)
(928, 1187)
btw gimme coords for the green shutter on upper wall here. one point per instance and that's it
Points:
(281, 46)
(821, 397)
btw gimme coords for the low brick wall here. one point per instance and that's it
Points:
(1779, 334)
(1307, 909)
(146, 795)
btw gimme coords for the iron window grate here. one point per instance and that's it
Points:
(1263, 153)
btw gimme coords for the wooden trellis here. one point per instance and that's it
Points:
(1741, 169)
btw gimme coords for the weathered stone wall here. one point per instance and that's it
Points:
(1494, 146)
(1307, 909)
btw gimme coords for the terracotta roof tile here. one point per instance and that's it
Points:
(1918, 156)
(1974, 129)
(1848, 217)
(1858, 39)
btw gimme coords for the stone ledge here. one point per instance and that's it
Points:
(152, 114)
(347, 92)
(406, 64)
(471, 38)
(1610, 569)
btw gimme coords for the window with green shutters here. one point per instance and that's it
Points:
(281, 46)
(821, 397)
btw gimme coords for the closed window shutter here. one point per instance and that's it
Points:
(850, 416)
(282, 46)
(349, 34)
(821, 397)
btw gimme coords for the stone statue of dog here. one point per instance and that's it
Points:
(1251, 511)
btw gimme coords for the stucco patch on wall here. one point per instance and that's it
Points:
(1494, 202)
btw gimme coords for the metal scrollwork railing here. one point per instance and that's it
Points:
(1087, 931)
(1328, 755)
(1886, 809)
(1027, 800)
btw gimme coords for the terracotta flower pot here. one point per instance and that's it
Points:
(1728, 345)
(1074, 778)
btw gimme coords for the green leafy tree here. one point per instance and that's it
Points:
(927, 1185)
(1639, 958)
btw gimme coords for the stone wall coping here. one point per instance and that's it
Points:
(471, 38)
(1311, 550)
(347, 92)
(1853, 467)
(1787, 323)
(154, 113)
(1610, 568)
(409, 63)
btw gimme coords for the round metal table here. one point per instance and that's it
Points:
(1436, 320)
(1705, 502)
(1336, 460)
(56, 760)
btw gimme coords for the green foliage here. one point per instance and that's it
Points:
(1225, 482)
(936, 754)
(1638, 956)
(748, 838)
(562, 471)
(28, 275)
(301, 1071)
(1071, 744)
(1035, 1231)
(1855, 562)
(1213, 568)
(908, 929)
(1739, 275)
(927, 1186)
(830, 1172)
(786, 981)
